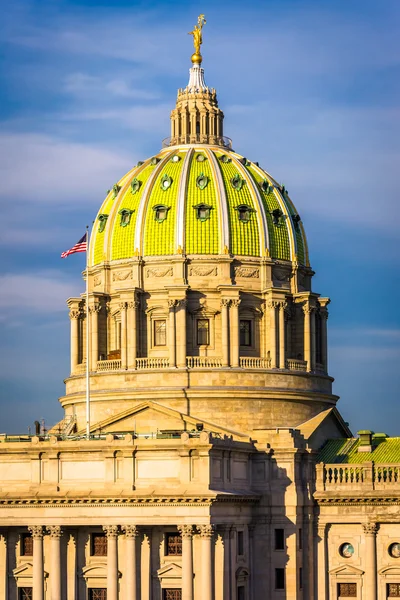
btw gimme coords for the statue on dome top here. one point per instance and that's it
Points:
(197, 38)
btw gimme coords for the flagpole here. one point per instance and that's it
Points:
(87, 338)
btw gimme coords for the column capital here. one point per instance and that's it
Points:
(130, 531)
(95, 308)
(133, 304)
(36, 531)
(235, 302)
(272, 304)
(111, 531)
(186, 531)
(307, 309)
(282, 305)
(324, 314)
(122, 305)
(182, 303)
(74, 314)
(172, 303)
(370, 528)
(225, 302)
(321, 530)
(205, 531)
(54, 531)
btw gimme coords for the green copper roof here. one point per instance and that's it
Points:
(127, 223)
(384, 450)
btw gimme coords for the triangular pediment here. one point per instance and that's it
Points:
(26, 570)
(346, 570)
(171, 570)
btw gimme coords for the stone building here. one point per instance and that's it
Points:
(218, 466)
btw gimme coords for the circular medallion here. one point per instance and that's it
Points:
(394, 550)
(346, 550)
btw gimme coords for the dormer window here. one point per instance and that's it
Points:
(102, 222)
(135, 185)
(203, 211)
(125, 214)
(277, 215)
(237, 182)
(244, 212)
(202, 181)
(166, 182)
(160, 212)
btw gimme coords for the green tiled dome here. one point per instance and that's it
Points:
(197, 200)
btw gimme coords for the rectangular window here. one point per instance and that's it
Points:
(26, 545)
(160, 333)
(300, 578)
(241, 593)
(97, 593)
(203, 332)
(98, 544)
(279, 579)
(25, 593)
(172, 594)
(173, 544)
(279, 539)
(245, 333)
(393, 590)
(240, 543)
(347, 590)
(300, 539)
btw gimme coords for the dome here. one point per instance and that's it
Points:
(197, 199)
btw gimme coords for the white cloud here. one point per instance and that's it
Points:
(85, 85)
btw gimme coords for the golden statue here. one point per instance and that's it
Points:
(198, 39)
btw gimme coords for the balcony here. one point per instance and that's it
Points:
(360, 477)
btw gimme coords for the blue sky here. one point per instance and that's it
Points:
(310, 89)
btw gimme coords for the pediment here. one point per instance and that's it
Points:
(346, 570)
(25, 570)
(390, 571)
(171, 570)
(95, 571)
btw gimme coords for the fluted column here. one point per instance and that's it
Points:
(321, 564)
(172, 333)
(94, 335)
(181, 333)
(324, 337)
(187, 561)
(307, 335)
(234, 321)
(282, 342)
(38, 573)
(131, 533)
(111, 532)
(74, 317)
(132, 333)
(370, 530)
(225, 331)
(272, 307)
(124, 356)
(55, 574)
(206, 534)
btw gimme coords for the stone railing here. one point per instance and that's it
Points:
(109, 365)
(198, 139)
(293, 364)
(254, 362)
(362, 476)
(197, 362)
(152, 363)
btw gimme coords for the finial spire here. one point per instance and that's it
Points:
(198, 39)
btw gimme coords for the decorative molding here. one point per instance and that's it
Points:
(54, 531)
(186, 531)
(203, 271)
(247, 272)
(122, 275)
(161, 272)
(130, 531)
(97, 280)
(36, 531)
(111, 531)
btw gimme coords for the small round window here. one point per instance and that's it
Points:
(394, 550)
(346, 550)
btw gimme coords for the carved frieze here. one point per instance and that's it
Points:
(159, 272)
(97, 280)
(122, 275)
(248, 272)
(203, 271)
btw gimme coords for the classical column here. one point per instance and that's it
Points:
(124, 357)
(55, 573)
(370, 530)
(324, 337)
(234, 320)
(272, 307)
(94, 335)
(225, 332)
(38, 573)
(181, 333)
(172, 333)
(282, 344)
(111, 532)
(187, 561)
(206, 534)
(313, 342)
(321, 563)
(3, 565)
(132, 333)
(307, 334)
(74, 317)
(131, 533)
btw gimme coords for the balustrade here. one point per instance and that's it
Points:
(195, 362)
(293, 364)
(254, 362)
(152, 363)
(108, 365)
(331, 477)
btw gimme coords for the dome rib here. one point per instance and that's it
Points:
(222, 202)
(183, 186)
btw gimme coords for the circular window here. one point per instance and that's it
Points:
(176, 158)
(394, 550)
(346, 550)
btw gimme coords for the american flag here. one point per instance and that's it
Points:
(80, 246)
